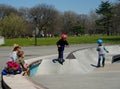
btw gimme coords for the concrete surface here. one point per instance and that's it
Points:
(74, 74)
(20, 82)
(81, 65)
(102, 79)
(36, 51)
(78, 73)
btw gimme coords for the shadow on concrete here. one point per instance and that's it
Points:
(94, 65)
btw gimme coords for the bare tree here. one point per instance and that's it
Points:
(45, 17)
(70, 20)
(6, 10)
(90, 23)
(116, 18)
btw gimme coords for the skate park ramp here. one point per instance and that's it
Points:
(85, 61)
(80, 72)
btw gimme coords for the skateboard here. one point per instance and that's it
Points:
(59, 60)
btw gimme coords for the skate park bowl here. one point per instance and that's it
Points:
(77, 72)
(79, 63)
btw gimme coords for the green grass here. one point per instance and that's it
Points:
(93, 39)
(71, 40)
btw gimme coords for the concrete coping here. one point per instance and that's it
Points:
(24, 82)
(19, 81)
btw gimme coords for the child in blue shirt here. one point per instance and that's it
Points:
(101, 53)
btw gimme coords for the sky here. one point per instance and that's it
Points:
(77, 6)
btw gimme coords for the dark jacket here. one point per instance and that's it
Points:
(62, 43)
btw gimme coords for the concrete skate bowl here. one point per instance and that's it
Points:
(78, 63)
(77, 67)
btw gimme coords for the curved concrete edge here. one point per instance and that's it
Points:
(114, 52)
(3, 84)
(116, 58)
(24, 82)
(72, 56)
(19, 81)
(81, 61)
(9, 82)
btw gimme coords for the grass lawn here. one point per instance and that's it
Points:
(71, 40)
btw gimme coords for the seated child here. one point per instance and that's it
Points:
(22, 63)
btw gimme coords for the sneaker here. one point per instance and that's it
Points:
(63, 60)
(98, 66)
(103, 65)
(61, 63)
(53, 61)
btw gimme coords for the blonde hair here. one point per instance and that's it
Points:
(15, 47)
(20, 53)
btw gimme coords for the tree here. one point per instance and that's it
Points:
(105, 11)
(116, 18)
(68, 21)
(13, 26)
(71, 21)
(6, 10)
(90, 23)
(45, 17)
(24, 12)
(78, 30)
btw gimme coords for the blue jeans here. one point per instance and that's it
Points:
(101, 57)
(60, 52)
